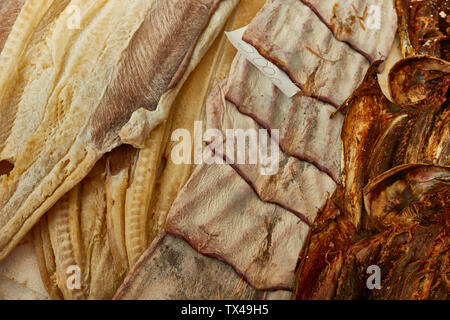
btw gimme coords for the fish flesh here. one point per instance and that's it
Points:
(308, 128)
(289, 34)
(171, 270)
(90, 81)
(296, 185)
(359, 23)
(216, 221)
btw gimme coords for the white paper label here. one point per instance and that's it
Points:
(278, 77)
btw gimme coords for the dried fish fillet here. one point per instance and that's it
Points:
(289, 34)
(79, 242)
(119, 165)
(9, 10)
(85, 102)
(368, 26)
(46, 258)
(139, 193)
(308, 129)
(171, 269)
(217, 221)
(424, 27)
(297, 186)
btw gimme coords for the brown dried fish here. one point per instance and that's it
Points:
(365, 108)
(387, 196)
(424, 27)
(396, 193)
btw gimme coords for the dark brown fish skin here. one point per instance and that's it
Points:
(411, 260)
(9, 10)
(153, 63)
(321, 256)
(419, 80)
(424, 27)
(403, 171)
(362, 124)
(387, 197)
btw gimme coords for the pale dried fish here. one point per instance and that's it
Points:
(84, 103)
(283, 30)
(78, 239)
(171, 269)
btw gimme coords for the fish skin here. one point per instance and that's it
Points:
(348, 19)
(9, 10)
(268, 236)
(320, 65)
(297, 186)
(59, 149)
(309, 129)
(151, 64)
(171, 270)
(397, 206)
(424, 28)
(77, 229)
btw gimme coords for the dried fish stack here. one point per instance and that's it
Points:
(253, 223)
(92, 93)
(392, 211)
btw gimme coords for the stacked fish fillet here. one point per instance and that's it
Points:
(233, 233)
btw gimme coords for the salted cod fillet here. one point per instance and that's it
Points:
(89, 81)
(171, 270)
